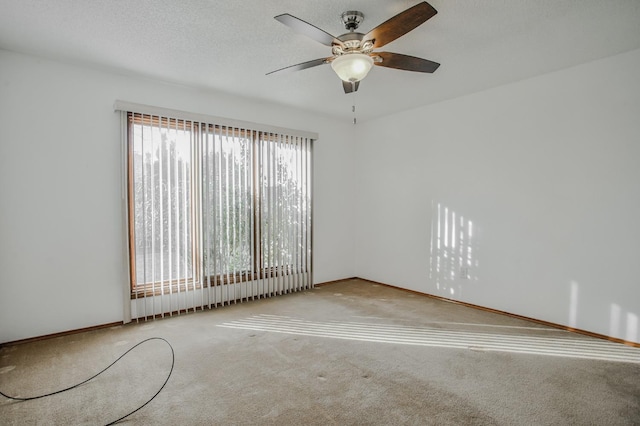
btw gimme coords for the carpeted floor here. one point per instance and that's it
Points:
(348, 353)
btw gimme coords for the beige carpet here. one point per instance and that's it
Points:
(349, 353)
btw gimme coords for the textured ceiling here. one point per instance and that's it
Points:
(230, 45)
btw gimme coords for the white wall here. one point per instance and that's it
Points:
(61, 245)
(545, 169)
(548, 172)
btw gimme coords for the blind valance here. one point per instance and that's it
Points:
(204, 118)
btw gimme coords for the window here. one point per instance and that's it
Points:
(161, 212)
(213, 206)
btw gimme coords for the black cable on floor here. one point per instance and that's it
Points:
(173, 359)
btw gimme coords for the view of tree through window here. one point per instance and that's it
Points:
(282, 193)
(227, 164)
(212, 205)
(163, 212)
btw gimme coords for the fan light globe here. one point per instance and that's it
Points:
(352, 67)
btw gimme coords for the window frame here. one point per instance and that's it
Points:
(197, 281)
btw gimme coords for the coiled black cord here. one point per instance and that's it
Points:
(173, 359)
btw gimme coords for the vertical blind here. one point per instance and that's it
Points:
(217, 213)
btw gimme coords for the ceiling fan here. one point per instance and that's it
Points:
(353, 52)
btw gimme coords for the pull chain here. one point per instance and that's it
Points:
(353, 107)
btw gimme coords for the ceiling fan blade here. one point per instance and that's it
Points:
(305, 28)
(405, 62)
(401, 24)
(349, 86)
(302, 66)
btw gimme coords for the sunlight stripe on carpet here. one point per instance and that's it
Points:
(585, 348)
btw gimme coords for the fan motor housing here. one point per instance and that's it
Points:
(351, 38)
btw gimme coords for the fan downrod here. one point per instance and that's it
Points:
(352, 19)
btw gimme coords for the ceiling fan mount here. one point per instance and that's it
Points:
(352, 19)
(353, 53)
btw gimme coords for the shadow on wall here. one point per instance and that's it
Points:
(454, 250)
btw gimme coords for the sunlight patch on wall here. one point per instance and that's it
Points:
(573, 305)
(453, 256)
(623, 324)
(632, 327)
(614, 320)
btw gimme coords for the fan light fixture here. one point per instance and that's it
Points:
(352, 67)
